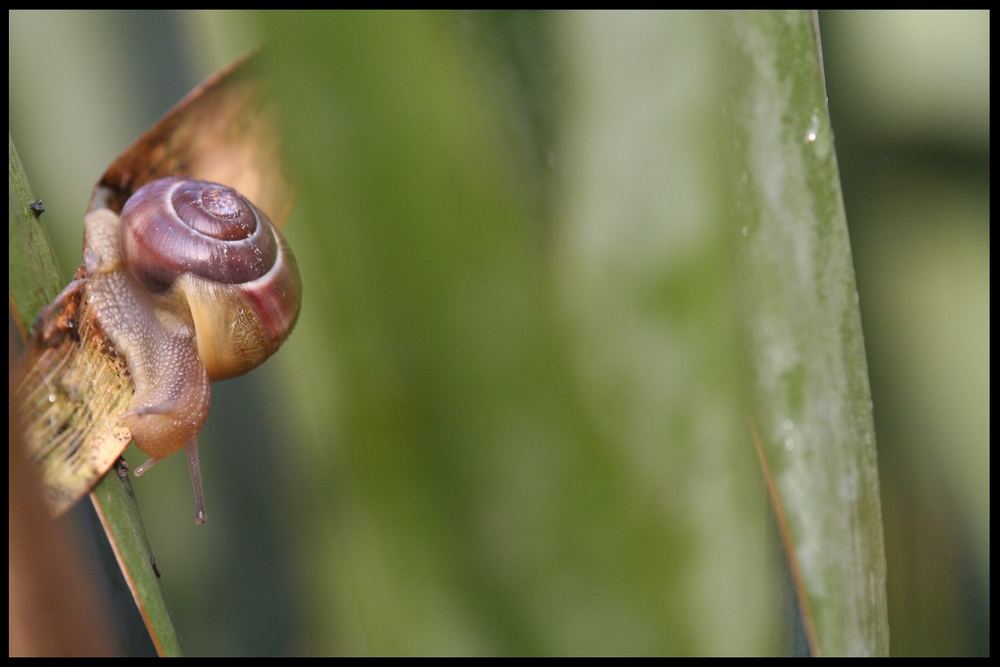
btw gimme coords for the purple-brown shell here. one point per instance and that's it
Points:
(205, 241)
(172, 226)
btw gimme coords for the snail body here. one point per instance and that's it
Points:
(190, 284)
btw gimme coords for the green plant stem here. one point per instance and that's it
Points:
(34, 281)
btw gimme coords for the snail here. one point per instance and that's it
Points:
(191, 283)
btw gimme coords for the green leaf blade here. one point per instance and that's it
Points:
(811, 398)
(32, 271)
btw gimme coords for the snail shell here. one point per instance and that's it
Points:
(208, 245)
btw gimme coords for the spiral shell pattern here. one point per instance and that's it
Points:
(174, 226)
(208, 243)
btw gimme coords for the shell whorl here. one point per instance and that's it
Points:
(173, 226)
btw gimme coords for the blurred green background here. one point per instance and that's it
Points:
(420, 543)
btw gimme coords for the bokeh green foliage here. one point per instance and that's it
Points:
(507, 471)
